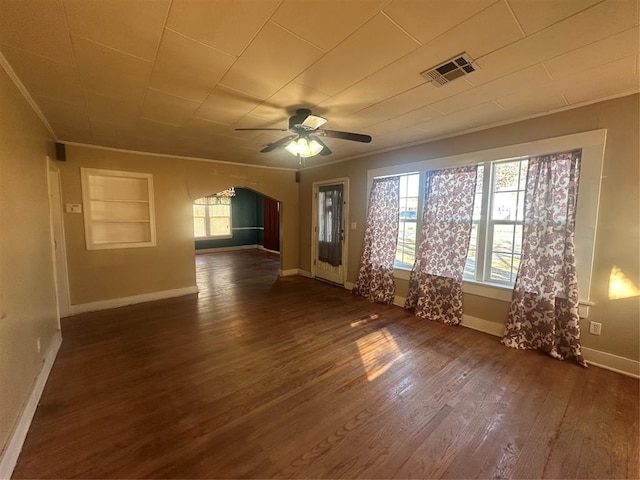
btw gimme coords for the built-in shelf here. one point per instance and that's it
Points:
(118, 209)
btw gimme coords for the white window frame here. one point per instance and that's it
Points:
(417, 221)
(90, 220)
(206, 224)
(484, 252)
(592, 144)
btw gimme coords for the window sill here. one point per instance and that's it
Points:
(491, 290)
(218, 237)
(498, 292)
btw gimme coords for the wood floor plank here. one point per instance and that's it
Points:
(265, 377)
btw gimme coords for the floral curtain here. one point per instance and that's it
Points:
(375, 278)
(435, 284)
(544, 309)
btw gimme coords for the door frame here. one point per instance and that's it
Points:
(345, 221)
(59, 251)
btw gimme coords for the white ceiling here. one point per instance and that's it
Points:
(177, 76)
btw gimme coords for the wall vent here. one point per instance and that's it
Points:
(456, 67)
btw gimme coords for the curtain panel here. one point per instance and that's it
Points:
(544, 310)
(435, 284)
(375, 278)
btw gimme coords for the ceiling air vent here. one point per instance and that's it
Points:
(456, 67)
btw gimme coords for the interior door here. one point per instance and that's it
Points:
(329, 233)
(271, 210)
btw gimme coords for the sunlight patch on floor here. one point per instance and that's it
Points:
(364, 320)
(378, 352)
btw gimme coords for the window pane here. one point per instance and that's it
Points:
(504, 206)
(470, 265)
(477, 207)
(520, 210)
(405, 251)
(219, 210)
(516, 265)
(524, 166)
(198, 227)
(322, 220)
(409, 191)
(503, 238)
(506, 176)
(517, 241)
(501, 267)
(413, 185)
(199, 210)
(409, 209)
(403, 186)
(219, 226)
(402, 206)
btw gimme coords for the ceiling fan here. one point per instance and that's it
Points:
(306, 132)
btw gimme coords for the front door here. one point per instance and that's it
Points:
(329, 233)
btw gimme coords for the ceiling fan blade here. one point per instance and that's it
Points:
(314, 122)
(277, 144)
(325, 150)
(355, 137)
(260, 129)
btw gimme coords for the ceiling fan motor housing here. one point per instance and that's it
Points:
(297, 119)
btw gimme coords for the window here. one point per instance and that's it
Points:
(325, 216)
(498, 215)
(212, 217)
(408, 220)
(118, 209)
(494, 252)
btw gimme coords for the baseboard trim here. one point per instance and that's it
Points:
(288, 273)
(304, 273)
(124, 301)
(399, 301)
(609, 361)
(482, 325)
(14, 447)
(597, 358)
(260, 247)
(349, 285)
(227, 249)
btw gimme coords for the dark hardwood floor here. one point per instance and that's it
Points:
(260, 376)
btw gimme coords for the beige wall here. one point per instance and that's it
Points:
(99, 275)
(28, 310)
(617, 241)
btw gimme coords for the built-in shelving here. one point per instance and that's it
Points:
(118, 209)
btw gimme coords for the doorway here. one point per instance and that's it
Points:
(271, 221)
(330, 202)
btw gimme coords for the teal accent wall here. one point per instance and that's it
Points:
(246, 213)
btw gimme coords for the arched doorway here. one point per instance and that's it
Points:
(235, 219)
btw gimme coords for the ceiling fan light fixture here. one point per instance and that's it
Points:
(303, 147)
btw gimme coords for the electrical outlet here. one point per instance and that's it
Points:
(595, 328)
(38, 344)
